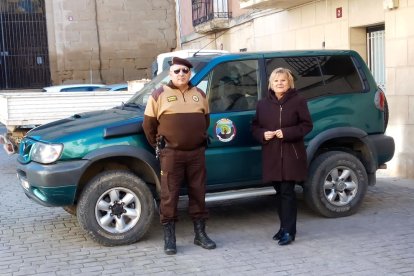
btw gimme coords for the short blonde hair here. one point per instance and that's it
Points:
(279, 71)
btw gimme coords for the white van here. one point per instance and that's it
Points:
(161, 63)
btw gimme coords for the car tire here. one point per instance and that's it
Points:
(336, 185)
(116, 208)
(71, 209)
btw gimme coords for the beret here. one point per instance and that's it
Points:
(181, 61)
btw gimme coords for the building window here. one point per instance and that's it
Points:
(376, 53)
(206, 10)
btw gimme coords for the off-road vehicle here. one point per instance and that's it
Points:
(100, 166)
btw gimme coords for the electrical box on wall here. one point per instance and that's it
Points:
(390, 4)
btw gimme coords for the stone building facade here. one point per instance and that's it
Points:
(257, 25)
(106, 41)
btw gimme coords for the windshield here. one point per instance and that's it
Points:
(141, 97)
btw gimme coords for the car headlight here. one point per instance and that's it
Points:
(46, 153)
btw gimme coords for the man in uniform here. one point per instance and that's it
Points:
(176, 118)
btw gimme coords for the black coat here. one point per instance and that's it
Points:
(283, 159)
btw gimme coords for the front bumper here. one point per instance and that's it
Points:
(52, 184)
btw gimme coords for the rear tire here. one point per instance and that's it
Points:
(336, 185)
(116, 208)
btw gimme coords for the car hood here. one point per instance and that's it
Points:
(111, 122)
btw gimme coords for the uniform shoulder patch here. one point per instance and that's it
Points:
(201, 92)
(157, 92)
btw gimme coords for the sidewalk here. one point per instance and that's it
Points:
(378, 240)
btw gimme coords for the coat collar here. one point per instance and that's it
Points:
(292, 92)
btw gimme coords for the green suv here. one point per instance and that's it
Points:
(99, 166)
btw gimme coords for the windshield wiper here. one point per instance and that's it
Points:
(131, 105)
(126, 105)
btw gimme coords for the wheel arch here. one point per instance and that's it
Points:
(347, 139)
(137, 160)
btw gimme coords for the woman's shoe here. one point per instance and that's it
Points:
(286, 239)
(278, 235)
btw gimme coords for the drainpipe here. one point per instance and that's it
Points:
(178, 22)
(98, 39)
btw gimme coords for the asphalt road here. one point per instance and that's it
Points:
(378, 240)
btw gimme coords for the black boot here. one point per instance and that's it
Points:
(201, 237)
(286, 239)
(278, 235)
(169, 238)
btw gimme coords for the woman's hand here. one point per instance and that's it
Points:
(269, 135)
(279, 133)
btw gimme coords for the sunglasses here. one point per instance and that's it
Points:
(184, 70)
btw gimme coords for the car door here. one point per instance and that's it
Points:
(233, 156)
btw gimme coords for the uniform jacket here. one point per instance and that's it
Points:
(283, 159)
(182, 118)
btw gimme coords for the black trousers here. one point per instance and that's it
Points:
(286, 205)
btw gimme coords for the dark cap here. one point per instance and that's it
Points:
(181, 61)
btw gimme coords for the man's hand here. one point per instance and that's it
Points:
(159, 146)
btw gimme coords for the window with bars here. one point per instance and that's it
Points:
(24, 57)
(206, 10)
(376, 53)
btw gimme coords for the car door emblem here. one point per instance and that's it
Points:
(225, 130)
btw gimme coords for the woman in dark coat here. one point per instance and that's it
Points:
(282, 120)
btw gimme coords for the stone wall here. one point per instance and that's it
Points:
(106, 41)
(399, 60)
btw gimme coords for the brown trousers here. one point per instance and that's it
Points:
(177, 166)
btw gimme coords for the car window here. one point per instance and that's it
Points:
(232, 86)
(166, 63)
(318, 76)
(305, 70)
(103, 89)
(78, 89)
(340, 75)
(121, 89)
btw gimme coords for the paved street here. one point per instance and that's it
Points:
(378, 240)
